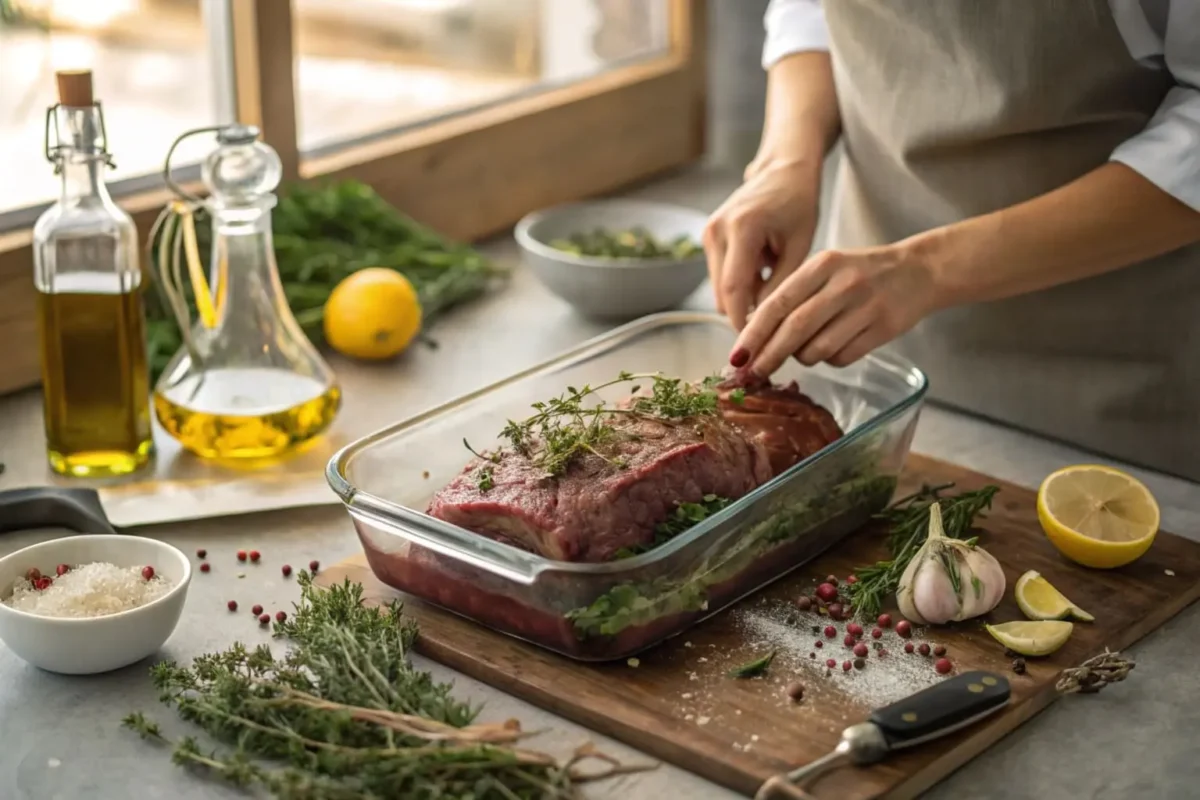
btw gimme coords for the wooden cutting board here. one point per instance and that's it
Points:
(679, 704)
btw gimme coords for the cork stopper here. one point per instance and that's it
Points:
(75, 87)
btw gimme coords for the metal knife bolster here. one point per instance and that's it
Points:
(949, 706)
(76, 509)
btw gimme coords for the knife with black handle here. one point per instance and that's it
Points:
(929, 714)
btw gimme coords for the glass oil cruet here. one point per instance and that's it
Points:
(247, 383)
(91, 322)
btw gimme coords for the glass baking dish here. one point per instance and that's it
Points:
(613, 610)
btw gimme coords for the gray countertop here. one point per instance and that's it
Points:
(62, 737)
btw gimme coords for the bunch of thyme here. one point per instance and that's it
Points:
(571, 425)
(346, 715)
(907, 523)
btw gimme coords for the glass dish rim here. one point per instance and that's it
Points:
(499, 558)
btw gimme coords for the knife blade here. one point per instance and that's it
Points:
(924, 716)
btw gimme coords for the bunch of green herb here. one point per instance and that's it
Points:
(907, 525)
(578, 422)
(634, 243)
(753, 669)
(324, 233)
(346, 715)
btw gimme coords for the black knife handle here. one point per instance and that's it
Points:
(952, 704)
(76, 509)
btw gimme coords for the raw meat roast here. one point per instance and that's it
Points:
(597, 508)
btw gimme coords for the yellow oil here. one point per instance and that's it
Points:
(94, 378)
(244, 413)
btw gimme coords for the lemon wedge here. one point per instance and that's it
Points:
(1039, 600)
(1040, 638)
(1097, 516)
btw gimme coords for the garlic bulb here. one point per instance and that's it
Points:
(949, 580)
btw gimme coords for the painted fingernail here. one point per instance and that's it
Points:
(739, 357)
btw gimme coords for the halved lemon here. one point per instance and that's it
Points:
(1039, 600)
(1097, 516)
(1039, 638)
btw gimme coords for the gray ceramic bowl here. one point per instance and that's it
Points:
(608, 288)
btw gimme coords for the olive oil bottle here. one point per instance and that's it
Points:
(91, 324)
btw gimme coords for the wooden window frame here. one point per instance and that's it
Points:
(468, 176)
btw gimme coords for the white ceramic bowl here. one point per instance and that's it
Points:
(607, 288)
(95, 644)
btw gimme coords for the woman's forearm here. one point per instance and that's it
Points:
(802, 121)
(1108, 219)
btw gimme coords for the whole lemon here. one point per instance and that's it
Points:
(372, 314)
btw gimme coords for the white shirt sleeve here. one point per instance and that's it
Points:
(793, 26)
(1167, 151)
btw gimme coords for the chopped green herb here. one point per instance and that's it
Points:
(737, 396)
(685, 517)
(485, 481)
(754, 668)
(633, 243)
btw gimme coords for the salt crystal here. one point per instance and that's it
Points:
(702, 660)
(754, 738)
(703, 720)
(89, 590)
(687, 644)
(633, 662)
(686, 695)
(690, 717)
(1170, 573)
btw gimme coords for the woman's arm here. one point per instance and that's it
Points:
(802, 121)
(1110, 218)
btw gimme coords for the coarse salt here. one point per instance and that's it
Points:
(88, 590)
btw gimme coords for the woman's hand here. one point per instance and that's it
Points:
(837, 307)
(769, 221)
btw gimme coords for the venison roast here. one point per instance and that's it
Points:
(605, 502)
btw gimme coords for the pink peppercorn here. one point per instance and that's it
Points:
(908, 647)
(876, 633)
(943, 666)
(854, 629)
(846, 665)
(884, 621)
(860, 650)
(904, 628)
(830, 631)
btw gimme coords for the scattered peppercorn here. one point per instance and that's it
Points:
(256, 609)
(803, 602)
(264, 620)
(313, 566)
(816, 628)
(859, 663)
(943, 666)
(884, 621)
(831, 663)
(876, 633)
(62, 569)
(796, 692)
(851, 579)
(280, 616)
(147, 572)
(854, 629)
(904, 628)
(32, 574)
(1010, 653)
(1018, 665)
(827, 592)
(286, 569)
(812, 655)
(923, 649)
(831, 579)
(939, 651)
(849, 640)
(201, 553)
(819, 643)
(878, 646)
(255, 556)
(241, 555)
(882, 652)
(231, 605)
(835, 610)
(830, 631)
(205, 567)
(908, 647)
(860, 650)
(846, 666)
(42, 584)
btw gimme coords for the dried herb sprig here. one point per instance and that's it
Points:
(346, 715)
(907, 522)
(1094, 674)
(571, 425)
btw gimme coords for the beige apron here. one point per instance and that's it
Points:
(953, 108)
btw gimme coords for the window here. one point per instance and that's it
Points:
(465, 114)
(159, 68)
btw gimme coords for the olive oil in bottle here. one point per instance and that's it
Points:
(89, 304)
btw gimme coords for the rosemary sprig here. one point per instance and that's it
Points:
(907, 522)
(346, 715)
(753, 668)
(572, 425)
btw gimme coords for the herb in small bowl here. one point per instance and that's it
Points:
(636, 242)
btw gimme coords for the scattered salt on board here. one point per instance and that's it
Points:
(88, 590)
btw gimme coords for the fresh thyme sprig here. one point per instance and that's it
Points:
(570, 425)
(346, 715)
(907, 522)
